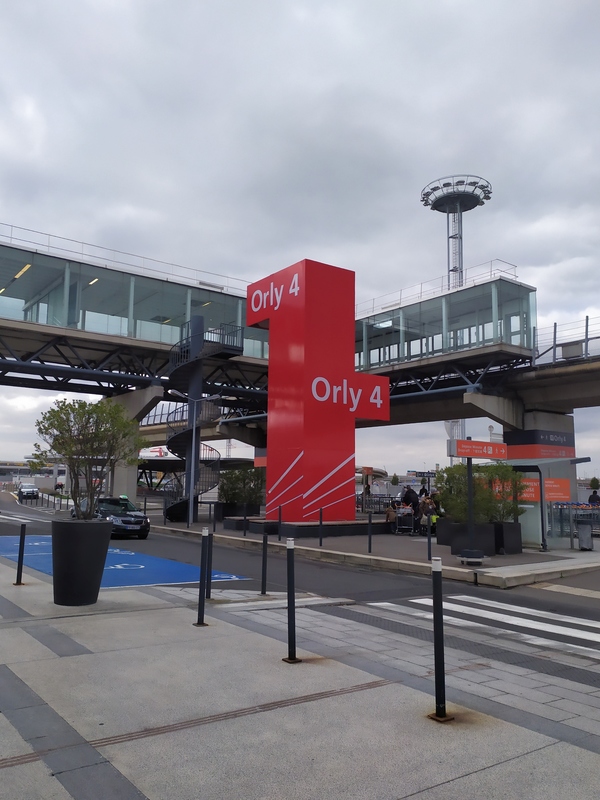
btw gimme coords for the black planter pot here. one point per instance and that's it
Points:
(508, 538)
(79, 549)
(445, 530)
(484, 539)
(223, 510)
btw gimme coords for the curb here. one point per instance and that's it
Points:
(483, 577)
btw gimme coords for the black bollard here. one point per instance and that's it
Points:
(263, 577)
(245, 514)
(19, 582)
(279, 526)
(438, 643)
(291, 605)
(209, 565)
(320, 527)
(369, 533)
(429, 537)
(202, 584)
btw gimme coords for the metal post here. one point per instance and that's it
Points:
(263, 577)
(192, 465)
(320, 527)
(369, 533)
(19, 582)
(245, 514)
(202, 584)
(586, 349)
(279, 526)
(291, 605)
(438, 642)
(145, 499)
(209, 565)
(470, 518)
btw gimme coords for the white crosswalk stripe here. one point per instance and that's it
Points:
(534, 627)
(8, 517)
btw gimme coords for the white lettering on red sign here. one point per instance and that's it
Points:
(343, 394)
(272, 297)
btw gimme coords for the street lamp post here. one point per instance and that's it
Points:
(192, 472)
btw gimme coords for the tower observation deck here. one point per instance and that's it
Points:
(452, 196)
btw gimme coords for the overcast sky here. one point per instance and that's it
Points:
(239, 136)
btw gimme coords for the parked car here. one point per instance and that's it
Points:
(28, 491)
(127, 520)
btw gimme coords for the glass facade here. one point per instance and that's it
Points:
(43, 288)
(499, 311)
(67, 293)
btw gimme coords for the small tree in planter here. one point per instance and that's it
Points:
(496, 489)
(90, 439)
(241, 488)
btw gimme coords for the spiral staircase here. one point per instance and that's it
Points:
(185, 377)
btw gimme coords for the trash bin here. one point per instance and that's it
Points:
(584, 533)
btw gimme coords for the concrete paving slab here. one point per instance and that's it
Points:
(210, 670)
(12, 743)
(17, 645)
(545, 774)
(373, 745)
(32, 781)
(35, 597)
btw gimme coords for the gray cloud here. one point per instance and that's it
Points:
(240, 137)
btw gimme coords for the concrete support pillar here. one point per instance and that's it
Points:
(137, 404)
(507, 411)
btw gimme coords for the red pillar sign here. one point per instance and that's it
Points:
(315, 395)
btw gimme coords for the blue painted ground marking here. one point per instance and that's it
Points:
(123, 567)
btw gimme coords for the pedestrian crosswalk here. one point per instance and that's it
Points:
(506, 620)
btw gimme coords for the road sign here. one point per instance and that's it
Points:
(425, 474)
(467, 448)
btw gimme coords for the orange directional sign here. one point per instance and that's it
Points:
(467, 448)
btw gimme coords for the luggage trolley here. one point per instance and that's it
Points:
(405, 520)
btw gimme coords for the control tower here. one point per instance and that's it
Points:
(452, 196)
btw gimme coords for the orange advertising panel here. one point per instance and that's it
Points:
(531, 490)
(535, 451)
(556, 490)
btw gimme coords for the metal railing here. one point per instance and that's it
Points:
(569, 340)
(178, 420)
(91, 253)
(225, 335)
(433, 288)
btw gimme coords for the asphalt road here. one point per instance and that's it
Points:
(359, 584)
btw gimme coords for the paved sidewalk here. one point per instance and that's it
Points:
(128, 699)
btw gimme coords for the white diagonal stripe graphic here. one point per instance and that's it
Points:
(333, 471)
(331, 504)
(291, 466)
(283, 491)
(316, 500)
